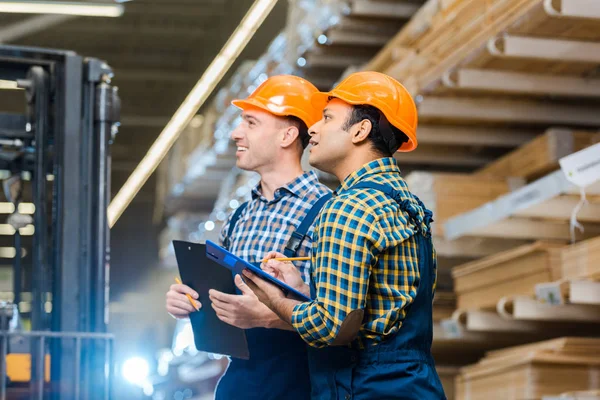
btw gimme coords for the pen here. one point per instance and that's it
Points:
(287, 259)
(187, 295)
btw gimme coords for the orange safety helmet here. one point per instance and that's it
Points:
(382, 92)
(284, 95)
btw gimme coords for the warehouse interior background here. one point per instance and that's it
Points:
(505, 89)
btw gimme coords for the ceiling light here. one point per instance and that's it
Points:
(190, 106)
(63, 8)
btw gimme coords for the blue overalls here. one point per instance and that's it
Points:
(278, 364)
(401, 367)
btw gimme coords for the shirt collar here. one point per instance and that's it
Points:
(379, 166)
(297, 187)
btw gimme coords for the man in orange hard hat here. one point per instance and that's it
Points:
(270, 141)
(373, 265)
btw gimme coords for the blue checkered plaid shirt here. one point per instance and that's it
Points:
(267, 225)
(364, 257)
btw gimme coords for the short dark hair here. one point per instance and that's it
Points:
(378, 141)
(302, 129)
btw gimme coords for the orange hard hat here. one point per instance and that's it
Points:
(382, 92)
(284, 95)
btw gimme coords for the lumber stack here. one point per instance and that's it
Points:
(532, 371)
(540, 156)
(447, 195)
(443, 33)
(481, 284)
(581, 260)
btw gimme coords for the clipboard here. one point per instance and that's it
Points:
(237, 265)
(202, 274)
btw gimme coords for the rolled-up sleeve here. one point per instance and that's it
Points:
(347, 244)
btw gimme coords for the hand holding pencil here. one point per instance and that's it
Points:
(280, 267)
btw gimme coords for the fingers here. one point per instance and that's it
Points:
(179, 309)
(183, 289)
(274, 254)
(239, 282)
(177, 297)
(220, 311)
(215, 295)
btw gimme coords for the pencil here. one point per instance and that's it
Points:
(287, 259)
(187, 295)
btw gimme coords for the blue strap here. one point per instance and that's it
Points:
(387, 189)
(299, 234)
(234, 219)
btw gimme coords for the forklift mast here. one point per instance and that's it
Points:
(71, 119)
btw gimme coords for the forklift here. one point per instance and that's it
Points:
(58, 120)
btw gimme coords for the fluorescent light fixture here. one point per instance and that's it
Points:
(11, 252)
(7, 229)
(24, 208)
(9, 85)
(190, 106)
(63, 8)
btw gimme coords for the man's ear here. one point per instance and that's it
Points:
(290, 134)
(361, 131)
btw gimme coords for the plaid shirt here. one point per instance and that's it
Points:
(267, 225)
(364, 257)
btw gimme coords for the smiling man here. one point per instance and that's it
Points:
(372, 253)
(270, 141)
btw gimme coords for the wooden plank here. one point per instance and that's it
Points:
(383, 9)
(528, 112)
(581, 260)
(474, 135)
(573, 8)
(526, 229)
(473, 247)
(437, 155)
(561, 208)
(541, 155)
(521, 83)
(447, 195)
(529, 309)
(544, 49)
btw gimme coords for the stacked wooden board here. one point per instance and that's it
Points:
(446, 33)
(447, 195)
(581, 260)
(482, 283)
(540, 156)
(532, 371)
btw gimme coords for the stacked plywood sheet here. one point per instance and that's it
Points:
(447, 195)
(532, 371)
(481, 284)
(581, 260)
(541, 155)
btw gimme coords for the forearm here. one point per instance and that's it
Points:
(283, 308)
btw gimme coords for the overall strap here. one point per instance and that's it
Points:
(299, 234)
(234, 219)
